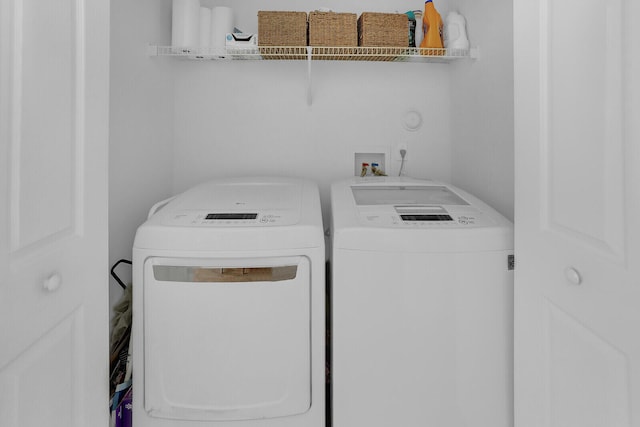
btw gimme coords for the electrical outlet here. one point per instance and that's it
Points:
(369, 158)
(396, 152)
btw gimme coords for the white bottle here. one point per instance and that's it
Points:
(455, 33)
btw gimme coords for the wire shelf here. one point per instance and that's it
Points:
(395, 54)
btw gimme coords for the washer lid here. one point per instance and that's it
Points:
(411, 215)
(405, 195)
(415, 205)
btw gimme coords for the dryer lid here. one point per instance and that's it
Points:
(238, 214)
(236, 203)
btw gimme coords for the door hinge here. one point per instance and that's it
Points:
(511, 262)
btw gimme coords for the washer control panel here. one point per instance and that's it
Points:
(407, 216)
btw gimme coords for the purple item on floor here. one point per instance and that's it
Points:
(123, 412)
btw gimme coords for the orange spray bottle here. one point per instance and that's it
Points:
(432, 27)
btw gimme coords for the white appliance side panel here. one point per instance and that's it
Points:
(422, 339)
(227, 351)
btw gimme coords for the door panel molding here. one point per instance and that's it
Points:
(582, 144)
(47, 158)
(57, 357)
(603, 371)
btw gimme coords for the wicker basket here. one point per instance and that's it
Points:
(277, 28)
(383, 29)
(333, 29)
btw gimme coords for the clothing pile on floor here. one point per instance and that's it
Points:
(120, 362)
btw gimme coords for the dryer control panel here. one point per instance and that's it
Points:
(230, 219)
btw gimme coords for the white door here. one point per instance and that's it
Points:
(577, 294)
(53, 213)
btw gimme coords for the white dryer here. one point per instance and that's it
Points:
(422, 308)
(229, 307)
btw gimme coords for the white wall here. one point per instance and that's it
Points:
(252, 118)
(482, 106)
(141, 117)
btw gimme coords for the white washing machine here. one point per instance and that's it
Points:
(422, 311)
(229, 307)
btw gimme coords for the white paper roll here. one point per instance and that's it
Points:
(221, 24)
(185, 24)
(205, 27)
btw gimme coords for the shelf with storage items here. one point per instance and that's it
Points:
(297, 35)
(390, 54)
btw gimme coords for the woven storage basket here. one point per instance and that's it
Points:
(277, 28)
(383, 29)
(333, 29)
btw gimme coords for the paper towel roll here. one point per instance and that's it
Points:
(205, 28)
(185, 21)
(221, 24)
